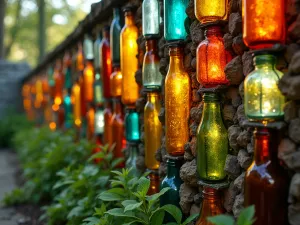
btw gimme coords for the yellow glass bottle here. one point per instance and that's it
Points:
(129, 61)
(211, 10)
(153, 130)
(177, 103)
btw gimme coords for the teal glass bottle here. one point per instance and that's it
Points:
(174, 19)
(68, 110)
(132, 130)
(151, 18)
(172, 181)
(115, 32)
(131, 161)
(212, 141)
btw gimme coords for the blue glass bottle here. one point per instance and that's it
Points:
(132, 130)
(174, 17)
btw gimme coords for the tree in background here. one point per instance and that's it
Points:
(2, 12)
(23, 18)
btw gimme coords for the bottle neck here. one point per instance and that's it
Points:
(151, 45)
(117, 106)
(106, 34)
(116, 68)
(265, 146)
(211, 107)
(173, 168)
(153, 97)
(213, 31)
(129, 19)
(116, 13)
(264, 62)
(133, 151)
(176, 59)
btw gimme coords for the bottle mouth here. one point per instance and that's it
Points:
(211, 97)
(261, 59)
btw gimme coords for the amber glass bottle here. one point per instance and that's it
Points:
(154, 183)
(129, 61)
(212, 141)
(263, 23)
(211, 205)
(116, 82)
(90, 116)
(211, 10)
(151, 75)
(88, 77)
(107, 123)
(79, 58)
(105, 62)
(266, 182)
(76, 104)
(177, 103)
(152, 129)
(59, 82)
(117, 123)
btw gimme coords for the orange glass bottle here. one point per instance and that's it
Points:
(129, 61)
(211, 10)
(117, 124)
(177, 103)
(107, 139)
(80, 68)
(152, 129)
(105, 62)
(266, 182)
(154, 183)
(263, 23)
(89, 77)
(76, 102)
(116, 82)
(90, 117)
(59, 82)
(211, 205)
(212, 59)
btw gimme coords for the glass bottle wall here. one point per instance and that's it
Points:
(151, 18)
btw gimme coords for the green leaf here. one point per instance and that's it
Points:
(116, 162)
(132, 206)
(129, 202)
(247, 216)
(157, 195)
(143, 186)
(221, 220)
(157, 218)
(190, 219)
(118, 212)
(112, 195)
(174, 211)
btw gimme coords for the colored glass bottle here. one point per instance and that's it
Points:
(83, 106)
(266, 182)
(174, 19)
(98, 94)
(115, 31)
(263, 100)
(105, 63)
(129, 61)
(152, 129)
(88, 73)
(117, 122)
(131, 161)
(99, 122)
(263, 23)
(172, 181)
(212, 58)
(79, 58)
(67, 103)
(212, 141)
(211, 10)
(177, 103)
(151, 75)
(132, 130)
(97, 51)
(154, 183)
(108, 137)
(76, 101)
(151, 18)
(51, 81)
(211, 205)
(59, 82)
(116, 82)
(90, 117)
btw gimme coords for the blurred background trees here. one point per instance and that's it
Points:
(25, 20)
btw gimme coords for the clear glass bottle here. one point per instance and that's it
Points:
(212, 141)
(212, 59)
(115, 31)
(263, 23)
(152, 129)
(129, 61)
(131, 161)
(263, 99)
(174, 19)
(177, 103)
(211, 205)
(266, 182)
(151, 75)
(132, 129)
(211, 10)
(151, 18)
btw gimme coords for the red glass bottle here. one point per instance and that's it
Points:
(263, 23)
(117, 124)
(212, 58)
(211, 205)
(266, 182)
(107, 123)
(105, 62)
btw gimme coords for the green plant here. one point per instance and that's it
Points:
(246, 218)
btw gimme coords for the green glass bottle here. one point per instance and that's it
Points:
(97, 51)
(172, 181)
(115, 31)
(212, 141)
(263, 99)
(68, 109)
(174, 19)
(132, 129)
(131, 161)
